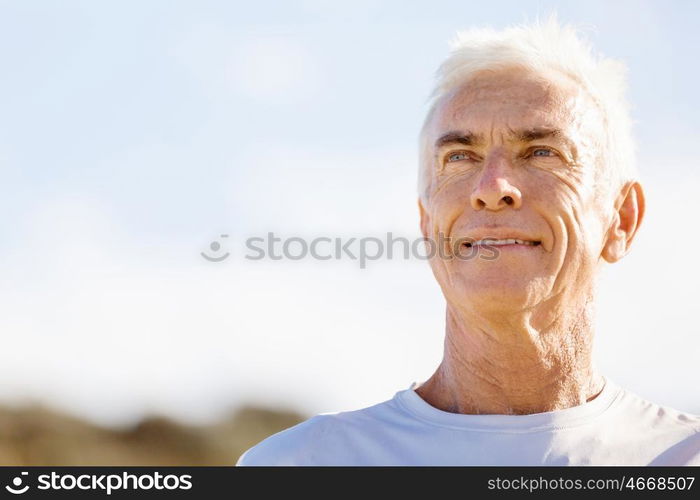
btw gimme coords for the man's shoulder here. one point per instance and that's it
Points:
(661, 415)
(675, 433)
(323, 438)
(288, 446)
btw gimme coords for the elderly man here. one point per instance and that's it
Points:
(526, 155)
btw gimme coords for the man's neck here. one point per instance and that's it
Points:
(530, 362)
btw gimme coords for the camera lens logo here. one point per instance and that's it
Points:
(17, 482)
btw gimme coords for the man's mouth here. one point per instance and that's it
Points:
(501, 242)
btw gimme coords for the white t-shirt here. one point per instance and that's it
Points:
(615, 428)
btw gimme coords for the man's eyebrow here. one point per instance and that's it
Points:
(464, 138)
(534, 134)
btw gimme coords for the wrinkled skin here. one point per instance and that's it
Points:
(519, 328)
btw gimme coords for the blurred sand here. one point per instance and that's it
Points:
(38, 436)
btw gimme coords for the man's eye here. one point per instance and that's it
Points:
(545, 152)
(457, 157)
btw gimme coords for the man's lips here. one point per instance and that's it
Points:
(502, 242)
(515, 236)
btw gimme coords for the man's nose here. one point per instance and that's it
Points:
(495, 190)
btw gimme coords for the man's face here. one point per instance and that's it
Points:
(514, 155)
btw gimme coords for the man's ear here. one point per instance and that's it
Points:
(629, 212)
(424, 219)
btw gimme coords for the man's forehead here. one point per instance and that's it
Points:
(520, 83)
(512, 103)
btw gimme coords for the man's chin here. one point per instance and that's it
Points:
(497, 294)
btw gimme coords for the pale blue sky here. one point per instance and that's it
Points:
(133, 133)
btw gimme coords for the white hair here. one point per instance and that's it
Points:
(541, 47)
